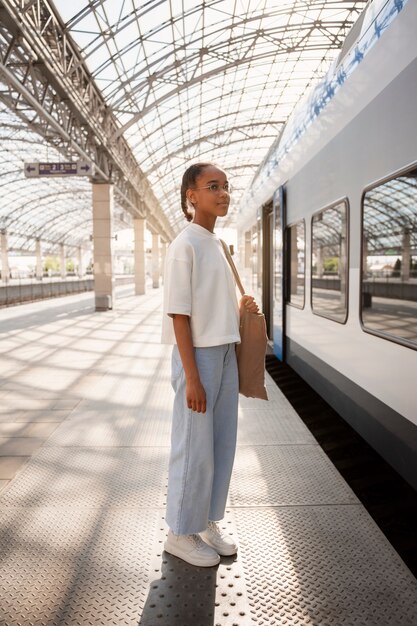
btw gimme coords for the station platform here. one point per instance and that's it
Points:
(85, 408)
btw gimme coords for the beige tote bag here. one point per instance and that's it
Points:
(251, 351)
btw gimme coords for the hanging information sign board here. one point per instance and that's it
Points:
(74, 168)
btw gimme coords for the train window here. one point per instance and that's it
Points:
(389, 259)
(329, 263)
(295, 244)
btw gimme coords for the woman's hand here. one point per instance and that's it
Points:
(194, 390)
(195, 395)
(248, 302)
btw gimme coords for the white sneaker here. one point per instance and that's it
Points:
(219, 540)
(192, 549)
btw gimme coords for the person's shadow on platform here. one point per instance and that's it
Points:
(184, 595)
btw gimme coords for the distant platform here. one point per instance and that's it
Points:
(17, 291)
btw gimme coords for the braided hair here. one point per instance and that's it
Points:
(189, 179)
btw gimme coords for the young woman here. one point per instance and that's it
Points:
(201, 319)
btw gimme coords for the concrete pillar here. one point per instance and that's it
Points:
(102, 243)
(248, 249)
(156, 270)
(164, 246)
(319, 255)
(365, 256)
(241, 249)
(80, 263)
(5, 269)
(139, 257)
(63, 261)
(39, 268)
(406, 256)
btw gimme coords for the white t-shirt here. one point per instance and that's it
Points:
(198, 282)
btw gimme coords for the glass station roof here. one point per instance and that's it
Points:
(212, 80)
(187, 81)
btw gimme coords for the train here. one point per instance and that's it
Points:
(328, 234)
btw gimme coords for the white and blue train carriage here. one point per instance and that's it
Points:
(329, 233)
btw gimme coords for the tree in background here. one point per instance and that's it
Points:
(331, 265)
(51, 263)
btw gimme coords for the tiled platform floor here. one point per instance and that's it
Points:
(85, 403)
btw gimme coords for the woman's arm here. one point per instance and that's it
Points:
(194, 390)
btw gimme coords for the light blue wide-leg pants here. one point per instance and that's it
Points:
(202, 444)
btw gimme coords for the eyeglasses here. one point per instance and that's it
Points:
(215, 187)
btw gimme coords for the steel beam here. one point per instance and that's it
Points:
(44, 80)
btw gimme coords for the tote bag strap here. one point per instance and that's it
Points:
(233, 266)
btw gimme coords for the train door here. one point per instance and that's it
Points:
(267, 266)
(277, 257)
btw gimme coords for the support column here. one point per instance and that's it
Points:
(406, 256)
(102, 244)
(164, 246)
(248, 249)
(39, 268)
(155, 261)
(80, 263)
(319, 253)
(5, 269)
(139, 232)
(63, 261)
(242, 251)
(365, 256)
